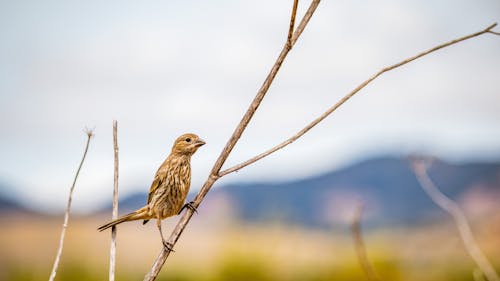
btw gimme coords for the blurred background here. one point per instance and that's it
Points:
(164, 68)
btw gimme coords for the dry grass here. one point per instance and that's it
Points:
(230, 250)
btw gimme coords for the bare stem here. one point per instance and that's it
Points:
(452, 208)
(68, 207)
(292, 22)
(347, 97)
(359, 245)
(112, 250)
(214, 174)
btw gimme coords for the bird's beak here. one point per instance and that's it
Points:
(199, 143)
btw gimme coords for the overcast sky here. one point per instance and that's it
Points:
(163, 68)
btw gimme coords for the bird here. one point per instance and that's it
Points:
(170, 186)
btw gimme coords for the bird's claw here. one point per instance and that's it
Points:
(168, 246)
(190, 206)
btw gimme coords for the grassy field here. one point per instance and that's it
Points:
(229, 250)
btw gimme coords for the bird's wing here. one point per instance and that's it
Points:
(159, 180)
(154, 186)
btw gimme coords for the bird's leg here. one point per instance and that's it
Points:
(189, 205)
(168, 246)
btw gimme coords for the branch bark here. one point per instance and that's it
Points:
(292, 22)
(112, 250)
(214, 174)
(347, 97)
(420, 169)
(68, 207)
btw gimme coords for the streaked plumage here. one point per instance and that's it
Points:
(170, 186)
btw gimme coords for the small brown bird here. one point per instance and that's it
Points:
(169, 188)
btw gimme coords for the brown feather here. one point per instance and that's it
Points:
(170, 186)
(136, 215)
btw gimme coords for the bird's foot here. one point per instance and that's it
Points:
(168, 246)
(189, 205)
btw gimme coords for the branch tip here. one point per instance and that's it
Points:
(491, 26)
(68, 207)
(89, 132)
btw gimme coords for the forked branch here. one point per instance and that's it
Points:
(347, 97)
(68, 207)
(419, 167)
(214, 174)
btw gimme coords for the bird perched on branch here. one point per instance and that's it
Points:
(169, 188)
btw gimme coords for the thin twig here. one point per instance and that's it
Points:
(112, 250)
(346, 98)
(292, 22)
(359, 245)
(162, 257)
(448, 205)
(68, 207)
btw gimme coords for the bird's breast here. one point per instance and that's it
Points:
(176, 187)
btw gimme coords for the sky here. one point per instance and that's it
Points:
(164, 68)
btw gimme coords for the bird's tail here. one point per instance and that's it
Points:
(140, 214)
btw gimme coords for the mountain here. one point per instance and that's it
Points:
(386, 186)
(7, 204)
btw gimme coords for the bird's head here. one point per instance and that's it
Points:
(187, 144)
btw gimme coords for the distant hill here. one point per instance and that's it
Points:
(386, 185)
(8, 205)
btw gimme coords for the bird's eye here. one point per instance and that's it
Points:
(188, 140)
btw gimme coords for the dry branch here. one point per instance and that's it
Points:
(214, 174)
(68, 207)
(347, 97)
(112, 250)
(359, 245)
(448, 205)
